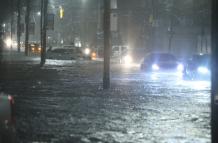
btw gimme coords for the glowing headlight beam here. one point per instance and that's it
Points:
(180, 67)
(127, 59)
(8, 42)
(155, 67)
(203, 70)
(87, 51)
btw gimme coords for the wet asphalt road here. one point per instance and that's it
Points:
(63, 102)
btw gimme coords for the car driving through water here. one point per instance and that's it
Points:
(161, 62)
(198, 68)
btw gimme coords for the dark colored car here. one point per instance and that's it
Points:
(161, 62)
(7, 119)
(198, 67)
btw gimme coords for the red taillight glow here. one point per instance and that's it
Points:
(11, 100)
(10, 97)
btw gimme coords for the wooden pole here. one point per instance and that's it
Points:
(44, 33)
(107, 45)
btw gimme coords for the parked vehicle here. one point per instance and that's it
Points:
(121, 54)
(7, 119)
(64, 54)
(35, 48)
(198, 67)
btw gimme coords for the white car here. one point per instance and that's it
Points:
(63, 54)
(7, 119)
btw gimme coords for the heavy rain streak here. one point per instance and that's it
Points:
(105, 71)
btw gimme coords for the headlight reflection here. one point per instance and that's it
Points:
(180, 67)
(155, 67)
(203, 70)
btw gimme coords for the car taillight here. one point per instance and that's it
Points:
(11, 101)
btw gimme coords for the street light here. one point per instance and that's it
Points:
(61, 12)
(39, 13)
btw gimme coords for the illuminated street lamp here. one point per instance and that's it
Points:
(61, 12)
(39, 13)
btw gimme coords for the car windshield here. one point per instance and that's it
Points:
(201, 59)
(162, 58)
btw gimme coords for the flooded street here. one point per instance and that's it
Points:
(64, 102)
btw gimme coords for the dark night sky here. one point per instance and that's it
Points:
(4, 8)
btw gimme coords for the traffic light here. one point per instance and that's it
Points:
(61, 12)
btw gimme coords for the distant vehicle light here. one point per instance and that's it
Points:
(33, 49)
(39, 49)
(8, 42)
(10, 97)
(87, 51)
(203, 70)
(127, 59)
(180, 67)
(94, 55)
(155, 67)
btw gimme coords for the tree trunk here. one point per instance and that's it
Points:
(27, 27)
(18, 25)
(202, 38)
(12, 22)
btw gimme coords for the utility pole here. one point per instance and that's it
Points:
(44, 32)
(18, 25)
(107, 45)
(27, 21)
(214, 67)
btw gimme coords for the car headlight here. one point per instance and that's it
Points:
(87, 51)
(155, 67)
(8, 42)
(94, 55)
(180, 67)
(203, 70)
(127, 59)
